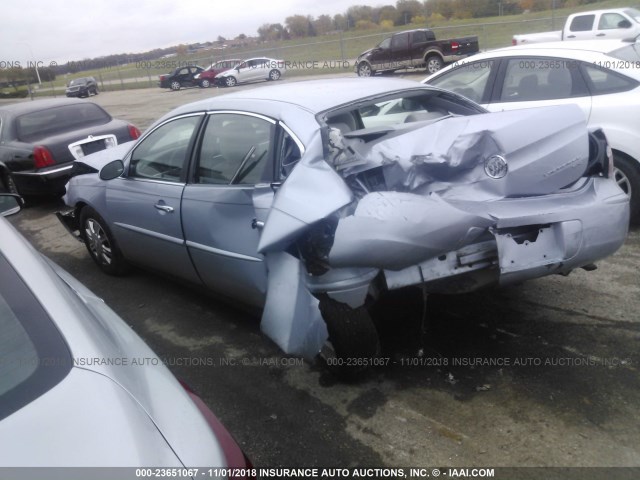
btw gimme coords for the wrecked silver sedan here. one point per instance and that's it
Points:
(310, 200)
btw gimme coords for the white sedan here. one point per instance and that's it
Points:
(602, 77)
(252, 70)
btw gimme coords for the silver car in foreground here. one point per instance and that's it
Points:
(78, 388)
(310, 200)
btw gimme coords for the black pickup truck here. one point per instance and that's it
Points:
(414, 49)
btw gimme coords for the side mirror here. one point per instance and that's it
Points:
(624, 24)
(111, 170)
(10, 204)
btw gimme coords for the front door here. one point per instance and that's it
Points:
(144, 205)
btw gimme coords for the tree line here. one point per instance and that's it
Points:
(404, 12)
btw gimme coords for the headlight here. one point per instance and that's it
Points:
(197, 76)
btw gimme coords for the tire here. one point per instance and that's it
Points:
(175, 85)
(626, 173)
(8, 184)
(230, 81)
(100, 243)
(274, 75)
(352, 336)
(364, 70)
(95, 91)
(433, 64)
(205, 83)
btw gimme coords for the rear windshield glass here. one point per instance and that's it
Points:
(32, 126)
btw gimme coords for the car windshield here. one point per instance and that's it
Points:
(630, 53)
(77, 81)
(35, 125)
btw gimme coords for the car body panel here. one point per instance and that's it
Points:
(155, 421)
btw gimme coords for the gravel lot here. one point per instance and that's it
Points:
(542, 374)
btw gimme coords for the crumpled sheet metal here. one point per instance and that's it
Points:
(291, 316)
(546, 149)
(312, 192)
(394, 230)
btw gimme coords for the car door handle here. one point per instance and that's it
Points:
(600, 34)
(164, 208)
(571, 36)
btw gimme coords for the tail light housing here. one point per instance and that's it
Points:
(514, 42)
(236, 458)
(42, 157)
(134, 132)
(455, 45)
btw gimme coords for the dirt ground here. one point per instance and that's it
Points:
(542, 374)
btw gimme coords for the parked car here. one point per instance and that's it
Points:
(614, 23)
(39, 141)
(602, 77)
(311, 200)
(414, 49)
(252, 70)
(73, 371)
(206, 78)
(181, 77)
(82, 87)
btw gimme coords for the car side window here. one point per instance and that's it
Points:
(467, 79)
(235, 149)
(162, 154)
(386, 43)
(531, 79)
(602, 81)
(582, 23)
(609, 21)
(401, 40)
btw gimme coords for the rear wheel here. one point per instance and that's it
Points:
(434, 63)
(175, 85)
(353, 338)
(100, 243)
(274, 74)
(626, 173)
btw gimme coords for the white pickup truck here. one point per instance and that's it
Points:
(597, 24)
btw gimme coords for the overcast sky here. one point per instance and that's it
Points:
(44, 30)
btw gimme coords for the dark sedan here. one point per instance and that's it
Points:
(39, 141)
(181, 77)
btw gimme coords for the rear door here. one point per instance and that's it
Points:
(235, 159)
(144, 207)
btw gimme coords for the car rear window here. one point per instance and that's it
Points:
(35, 125)
(33, 356)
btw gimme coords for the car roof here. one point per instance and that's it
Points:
(314, 96)
(597, 46)
(21, 108)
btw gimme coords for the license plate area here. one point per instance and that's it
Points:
(92, 144)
